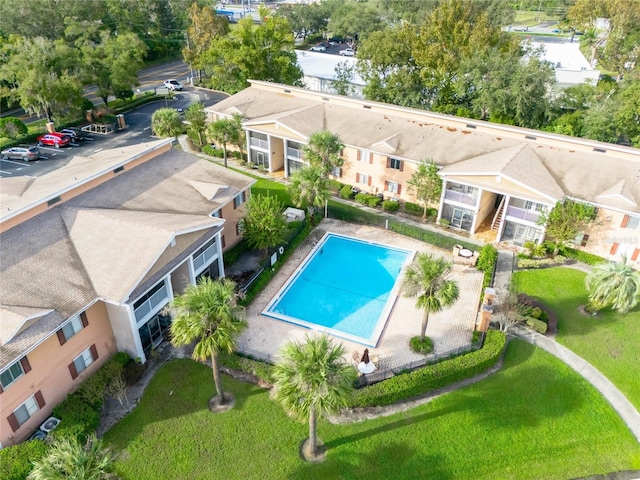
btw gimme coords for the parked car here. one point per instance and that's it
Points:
(347, 52)
(318, 48)
(172, 84)
(55, 139)
(21, 153)
(336, 40)
(76, 134)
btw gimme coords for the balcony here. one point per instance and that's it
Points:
(156, 300)
(256, 142)
(459, 197)
(523, 214)
(293, 153)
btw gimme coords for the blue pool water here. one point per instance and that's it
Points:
(346, 286)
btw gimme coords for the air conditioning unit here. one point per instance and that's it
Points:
(49, 424)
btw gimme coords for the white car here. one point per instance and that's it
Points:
(318, 48)
(347, 52)
(172, 84)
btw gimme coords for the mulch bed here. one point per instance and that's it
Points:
(552, 323)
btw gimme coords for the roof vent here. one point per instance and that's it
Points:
(119, 169)
(53, 201)
(368, 107)
(530, 137)
(287, 91)
(470, 126)
(599, 150)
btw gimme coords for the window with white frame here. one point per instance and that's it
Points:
(362, 178)
(364, 155)
(392, 187)
(82, 361)
(239, 199)
(11, 374)
(538, 207)
(25, 411)
(72, 327)
(632, 223)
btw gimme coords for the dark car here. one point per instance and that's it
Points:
(55, 139)
(76, 134)
(21, 153)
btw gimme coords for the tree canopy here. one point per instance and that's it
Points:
(263, 225)
(565, 221)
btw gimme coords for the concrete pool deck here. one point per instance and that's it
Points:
(450, 329)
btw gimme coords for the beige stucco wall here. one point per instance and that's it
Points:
(607, 230)
(50, 373)
(231, 216)
(181, 278)
(124, 329)
(277, 153)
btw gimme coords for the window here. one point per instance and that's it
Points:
(25, 411)
(365, 156)
(82, 361)
(538, 207)
(336, 172)
(14, 372)
(392, 187)
(395, 164)
(630, 222)
(362, 178)
(239, 199)
(72, 327)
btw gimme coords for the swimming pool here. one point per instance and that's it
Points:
(345, 287)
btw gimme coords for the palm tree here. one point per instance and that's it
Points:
(324, 150)
(224, 131)
(613, 284)
(311, 379)
(309, 187)
(428, 279)
(207, 312)
(68, 459)
(165, 122)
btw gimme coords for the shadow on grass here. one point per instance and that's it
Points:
(381, 462)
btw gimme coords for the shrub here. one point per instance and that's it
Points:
(434, 238)
(122, 358)
(345, 192)
(335, 185)
(93, 389)
(418, 346)
(391, 205)
(487, 259)
(232, 255)
(368, 199)
(15, 462)
(584, 257)
(213, 152)
(536, 312)
(362, 198)
(258, 368)
(374, 200)
(413, 208)
(78, 418)
(431, 377)
(541, 262)
(537, 325)
(12, 127)
(444, 222)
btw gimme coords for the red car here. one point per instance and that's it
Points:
(54, 139)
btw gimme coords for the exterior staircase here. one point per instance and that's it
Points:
(497, 218)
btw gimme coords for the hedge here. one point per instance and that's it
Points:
(542, 262)
(535, 324)
(258, 368)
(433, 376)
(16, 461)
(428, 236)
(584, 257)
(346, 192)
(78, 418)
(486, 263)
(391, 205)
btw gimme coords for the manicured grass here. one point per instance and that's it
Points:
(534, 419)
(609, 341)
(269, 187)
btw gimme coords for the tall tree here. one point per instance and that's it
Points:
(42, 75)
(224, 131)
(428, 280)
(565, 221)
(312, 380)
(197, 120)
(68, 459)
(309, 188)
(426, 184)
(613, 284)
(165, 122)
(355, 21)
(240, 137)
(305, 19)
(324, 150)
(343, 83)
(207, 313)
(260, 52)
(263, 225)
(204, 27)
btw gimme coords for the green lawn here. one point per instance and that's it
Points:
(535, 418)
(609, 342)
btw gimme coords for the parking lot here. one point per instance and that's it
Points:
(138, 130)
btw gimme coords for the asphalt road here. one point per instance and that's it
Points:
(138, 130)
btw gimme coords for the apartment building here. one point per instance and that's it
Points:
(91, 255)
(497, 179)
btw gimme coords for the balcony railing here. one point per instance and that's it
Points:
(158, 298)
(293, 153)
(461, 197)
(256, 142)
(205, 257)
(523, 214)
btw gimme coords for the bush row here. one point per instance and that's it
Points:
(368, 199)
(258, 368)
(433, 376)
(434, 238)
(16, 461)
(537, 325)
(584, 257)
(486, 263)
(541, 262)
(390, 205)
